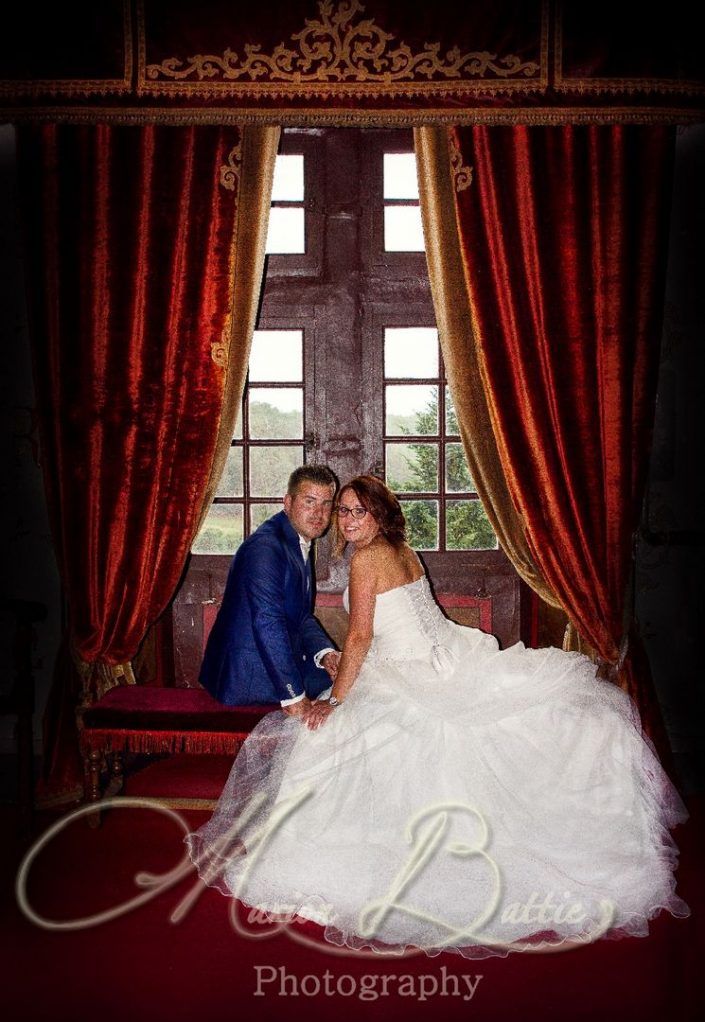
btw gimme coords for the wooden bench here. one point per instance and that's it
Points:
(150, 719)
(140, 719)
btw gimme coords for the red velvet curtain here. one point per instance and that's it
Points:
(564, 234)
(129, 263)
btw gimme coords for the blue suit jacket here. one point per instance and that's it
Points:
(261, 646)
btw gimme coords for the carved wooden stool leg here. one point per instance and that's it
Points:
(93, 762)
(116, 777)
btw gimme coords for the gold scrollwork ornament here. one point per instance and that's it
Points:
(337, 49)
(219, 349)
(462, 175)
(230, 171)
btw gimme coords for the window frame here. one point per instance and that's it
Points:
(304, 142)
(342, 293)
(245, 443)
(387, 140)
(446, 566)
(401, 281)
(439, 440)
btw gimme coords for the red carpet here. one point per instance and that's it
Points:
(140, 966)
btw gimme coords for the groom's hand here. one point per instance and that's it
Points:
(331, 662)
(320, 712)
(300, 709)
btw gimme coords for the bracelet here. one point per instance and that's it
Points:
(332, 701)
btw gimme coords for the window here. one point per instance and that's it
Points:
(346, 370)
(286, 233)
(375, 375)
(267, 446)
(403, 231)
(424, 460)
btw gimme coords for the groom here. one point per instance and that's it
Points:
(265, 645)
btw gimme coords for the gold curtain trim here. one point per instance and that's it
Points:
(342, 117)
(599, 86)
(220, 349)
(230, 171)
(457, 335)
(462, 175)
(620, 86)
(574, 642)
(257, 154)
(97, 677)
(338, 48)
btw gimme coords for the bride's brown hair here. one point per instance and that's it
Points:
(382, 504)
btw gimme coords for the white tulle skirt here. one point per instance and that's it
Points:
(509, 802)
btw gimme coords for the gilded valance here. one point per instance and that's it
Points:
(352, 61)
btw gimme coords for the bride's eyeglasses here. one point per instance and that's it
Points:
(356, 512)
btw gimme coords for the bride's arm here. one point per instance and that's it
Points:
(362, 595)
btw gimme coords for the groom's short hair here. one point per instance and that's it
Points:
(321, 475)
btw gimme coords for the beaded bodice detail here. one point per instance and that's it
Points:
(408, 625)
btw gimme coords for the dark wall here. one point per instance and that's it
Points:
(670, 555)
(27, 566)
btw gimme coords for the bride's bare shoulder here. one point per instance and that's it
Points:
(369, 556)
(383, 566)
(412, 560)
(374, 560)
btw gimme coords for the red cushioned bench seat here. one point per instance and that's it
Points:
(136, 718)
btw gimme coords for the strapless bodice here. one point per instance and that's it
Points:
(409, 625)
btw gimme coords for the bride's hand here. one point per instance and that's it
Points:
(318, 714)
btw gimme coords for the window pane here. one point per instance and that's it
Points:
(400, 180)
(410, 352)
(412, 468)
(451, 417)
(277, 413)
(276, 356)
(285, 234)
(288, 183)
(230, 484)
(270, 468)
(221, 532)
(261, 512)
(421, 523)
(458, 478)
(411, 409)
(403, 231)
(467, 526)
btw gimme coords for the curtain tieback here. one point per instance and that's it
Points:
(623, 650)
(97, 677)
(610, 669)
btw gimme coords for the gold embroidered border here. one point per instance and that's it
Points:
(81, 86)
(341, 51)
(341, 117)
(230, 171)
(221, 348)
(616, 86)
(462, 175)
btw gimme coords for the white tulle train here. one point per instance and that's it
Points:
(463, 798)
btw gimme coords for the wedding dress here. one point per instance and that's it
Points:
(462, 798)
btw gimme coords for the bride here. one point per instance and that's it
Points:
(446, 794)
